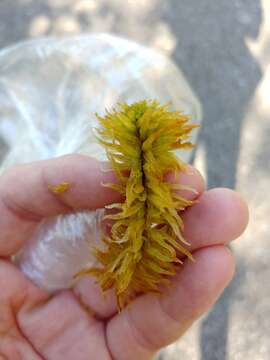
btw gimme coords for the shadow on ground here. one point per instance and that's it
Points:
(213, 54)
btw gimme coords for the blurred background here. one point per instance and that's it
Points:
(223, 48)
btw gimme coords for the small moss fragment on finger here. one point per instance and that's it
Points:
(60, 188)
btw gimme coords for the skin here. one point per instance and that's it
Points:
(80, 323)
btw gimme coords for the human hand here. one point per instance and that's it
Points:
(80, 323)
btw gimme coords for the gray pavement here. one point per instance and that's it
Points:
(223, 48)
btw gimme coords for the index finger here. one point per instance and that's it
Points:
(26, 196)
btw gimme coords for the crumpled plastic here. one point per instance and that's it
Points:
(50, 91)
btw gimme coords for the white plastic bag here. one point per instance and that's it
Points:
(50, 90)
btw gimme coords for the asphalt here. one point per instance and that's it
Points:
(223, 48)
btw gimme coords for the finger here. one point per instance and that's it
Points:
(191, 181)
(25, 195)
(90, 295)
(220, 215)
(89, 292)
(152, 322)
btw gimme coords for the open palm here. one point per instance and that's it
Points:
(81, 323)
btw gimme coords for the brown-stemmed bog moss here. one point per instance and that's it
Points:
(143, 247)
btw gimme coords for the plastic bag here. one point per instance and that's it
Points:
(50, 90)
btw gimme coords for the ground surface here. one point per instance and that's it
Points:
(223, 48)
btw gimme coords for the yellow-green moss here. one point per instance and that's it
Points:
(143, 247)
